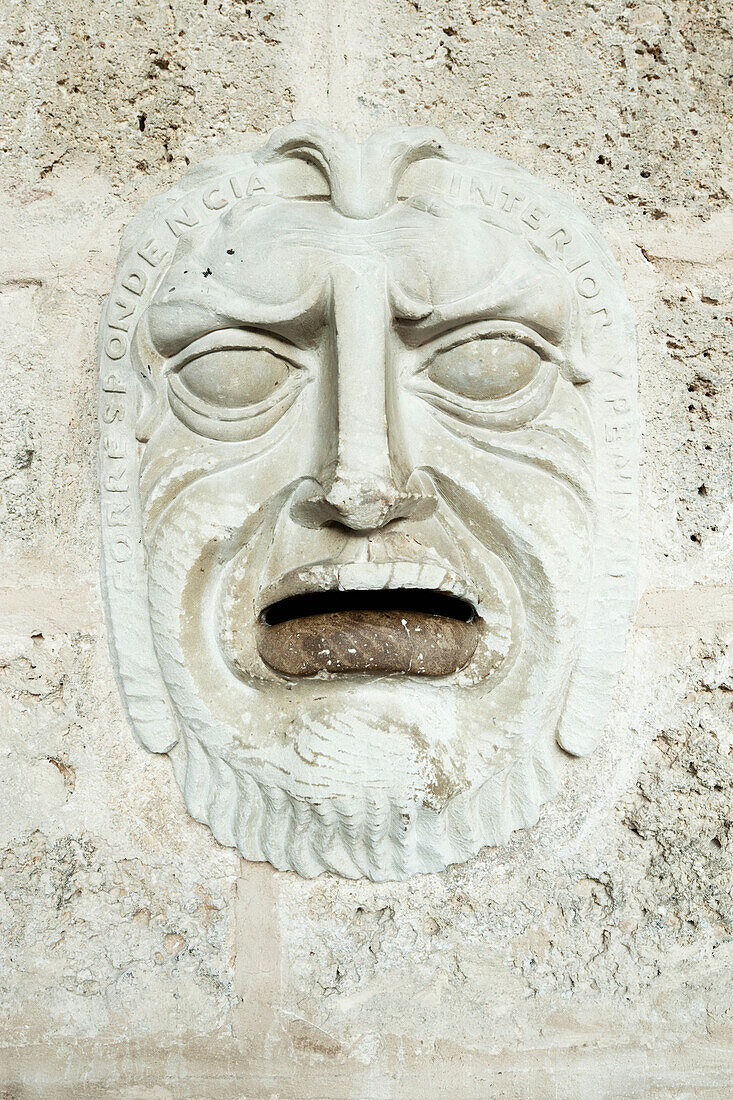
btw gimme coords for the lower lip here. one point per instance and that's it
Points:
(377, 642)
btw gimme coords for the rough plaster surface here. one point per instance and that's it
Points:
(594, 955)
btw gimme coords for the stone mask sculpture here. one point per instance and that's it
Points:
(368, 480)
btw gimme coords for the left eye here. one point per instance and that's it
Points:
(485, 369)
(235, 377)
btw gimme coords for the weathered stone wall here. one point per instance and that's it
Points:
(594, 955)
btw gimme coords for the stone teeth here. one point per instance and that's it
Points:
(365, 576)
(376, 576)
(368, 577)
(432, 576)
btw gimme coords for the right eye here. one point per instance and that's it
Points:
(233, 393)
(235, 377)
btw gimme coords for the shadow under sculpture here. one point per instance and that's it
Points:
(368, 477)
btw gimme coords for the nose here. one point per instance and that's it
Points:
(361, 503)
(359, 486)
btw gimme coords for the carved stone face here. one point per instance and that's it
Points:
(372, 551)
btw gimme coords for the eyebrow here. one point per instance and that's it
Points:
(186, 316)
(542, 301)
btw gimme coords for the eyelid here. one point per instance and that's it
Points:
(234, 339)
(513, 330)
(235, 423)
(502, 413)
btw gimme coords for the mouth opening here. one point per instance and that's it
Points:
(422, 601)
(408, 631)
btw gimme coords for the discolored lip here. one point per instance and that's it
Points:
(386, 624)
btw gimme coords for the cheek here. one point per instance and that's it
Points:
(226, 479)
(513, 498)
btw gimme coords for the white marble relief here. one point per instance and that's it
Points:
(368, 475)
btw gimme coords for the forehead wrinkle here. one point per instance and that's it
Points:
(361, 242)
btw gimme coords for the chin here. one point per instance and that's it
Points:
(336, 813)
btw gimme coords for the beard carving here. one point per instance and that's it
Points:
(368, 478)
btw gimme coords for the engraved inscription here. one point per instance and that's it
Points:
(505, 197)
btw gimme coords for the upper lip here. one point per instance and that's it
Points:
(367, 576)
